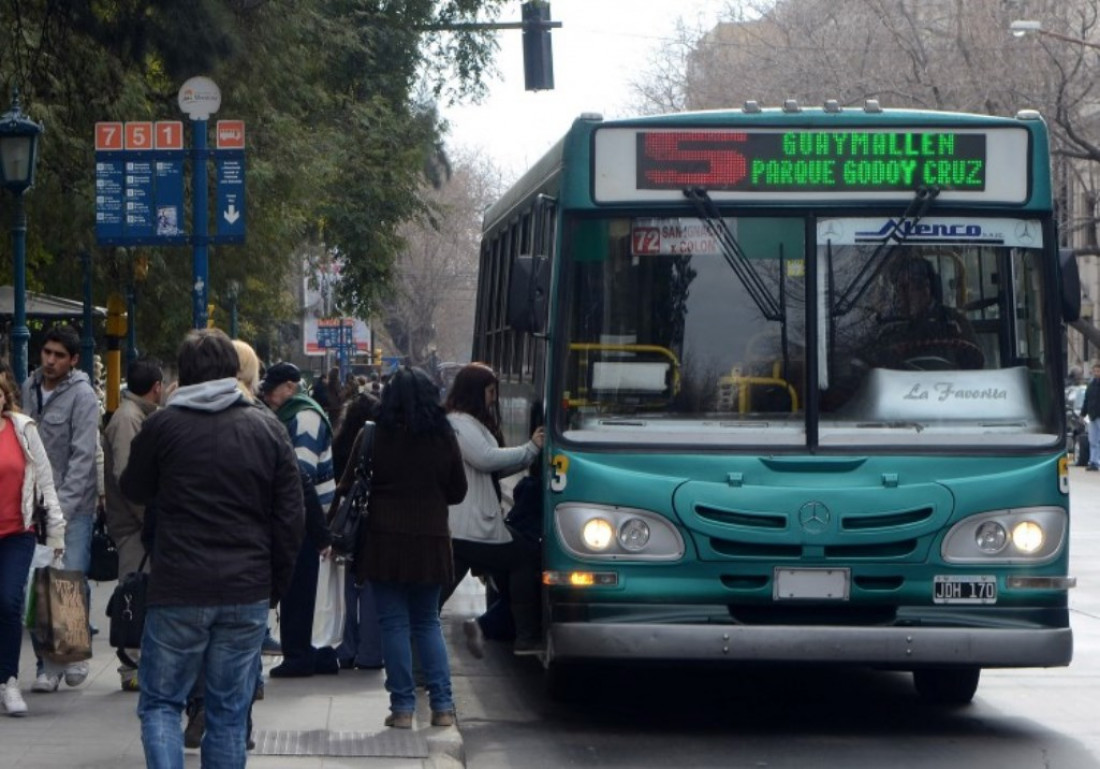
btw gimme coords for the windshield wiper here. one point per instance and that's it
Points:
(769, 306)
(897, 235)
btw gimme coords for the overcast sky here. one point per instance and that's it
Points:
(601, 47)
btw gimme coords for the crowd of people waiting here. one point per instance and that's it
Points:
(220, 486)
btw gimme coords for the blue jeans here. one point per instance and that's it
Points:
(362, 642)
(180, 641)
(409, 613)
(16, 552)
(1094, 442)
(78, 542)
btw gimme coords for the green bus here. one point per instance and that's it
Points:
(801, 373)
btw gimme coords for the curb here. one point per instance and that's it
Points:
(445, 747)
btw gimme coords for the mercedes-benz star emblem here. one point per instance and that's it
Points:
(814, 517)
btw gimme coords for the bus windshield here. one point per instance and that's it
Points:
(929, 334)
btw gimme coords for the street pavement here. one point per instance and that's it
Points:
(95, 726)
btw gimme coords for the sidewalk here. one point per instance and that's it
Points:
(94, 726)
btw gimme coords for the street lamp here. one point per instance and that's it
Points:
(232, 291)
(18, 152)
(1021, 27)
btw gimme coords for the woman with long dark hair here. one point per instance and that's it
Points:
(481, 538)
(405, 550)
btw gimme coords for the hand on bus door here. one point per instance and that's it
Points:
(539, 436)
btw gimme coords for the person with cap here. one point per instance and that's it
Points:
(311, 434)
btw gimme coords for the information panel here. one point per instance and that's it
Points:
(773, 164)
(139, 183)
(795, 161)
(230, 210)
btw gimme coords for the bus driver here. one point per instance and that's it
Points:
(918, 332)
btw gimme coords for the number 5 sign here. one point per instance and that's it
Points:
(139, 136)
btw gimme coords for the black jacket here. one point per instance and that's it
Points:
(1091, 407)
(229, 519)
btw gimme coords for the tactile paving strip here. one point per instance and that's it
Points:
(394, 743)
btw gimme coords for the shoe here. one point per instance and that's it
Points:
(287, 670)
(379, 666)
(76, 673)
(475, 639)
(1092, 468)
(443, 718)
(46, 682)
(400, 720)
(196, 725)
(325, 662)
(527, 646)
(271, 647)
(128, 679)
(12, 698)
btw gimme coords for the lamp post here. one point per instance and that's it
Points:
(18, 152)
(232, 291)
(1021, 27)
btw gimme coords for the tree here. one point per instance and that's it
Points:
(430, 304)
(338, 99)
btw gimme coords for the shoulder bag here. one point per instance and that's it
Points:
(103, 566)
(351, 511)
(126, 608)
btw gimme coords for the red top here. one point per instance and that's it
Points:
(13, 464)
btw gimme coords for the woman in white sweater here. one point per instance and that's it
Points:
(480, 537)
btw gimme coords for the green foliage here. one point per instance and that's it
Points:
(339, 135)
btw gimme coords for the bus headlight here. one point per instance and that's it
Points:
(1019, 535)
(604, 532)
(991, 537)
(597, 534)
(1027, 536)
(634, 535)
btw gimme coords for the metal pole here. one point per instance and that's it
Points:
(200, 225)
(87, 339)
(131, 317)
(20, 334)
(233, 317)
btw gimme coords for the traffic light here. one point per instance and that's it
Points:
(538, 58)
(378, 357)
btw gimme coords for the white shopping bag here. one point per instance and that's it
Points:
(328, 612)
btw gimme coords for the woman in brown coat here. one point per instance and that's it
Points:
(405, 549)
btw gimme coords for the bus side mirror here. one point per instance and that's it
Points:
(1071, 285)
(528, 288)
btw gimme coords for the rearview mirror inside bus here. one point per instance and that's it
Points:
(528, 287)
(1071, 285)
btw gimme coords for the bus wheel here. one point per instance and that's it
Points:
(947, 686)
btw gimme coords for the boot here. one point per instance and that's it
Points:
(528, 635)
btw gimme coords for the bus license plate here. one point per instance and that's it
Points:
(953, 588)
(811, 584)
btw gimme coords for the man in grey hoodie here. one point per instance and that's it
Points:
(59, 397)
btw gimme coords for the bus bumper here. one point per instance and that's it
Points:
(904, 648)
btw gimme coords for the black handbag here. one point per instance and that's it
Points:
(103, 566)
(351, 512)
(126, 608)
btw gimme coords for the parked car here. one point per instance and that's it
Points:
(1077, 436)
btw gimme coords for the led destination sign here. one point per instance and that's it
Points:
(810, 161)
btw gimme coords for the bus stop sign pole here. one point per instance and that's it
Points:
(199, 98)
